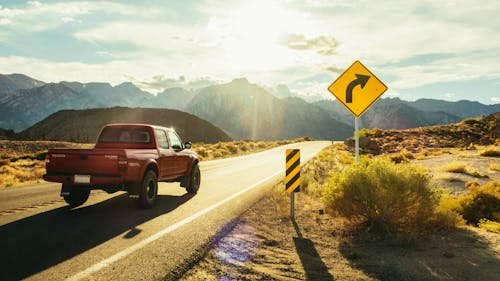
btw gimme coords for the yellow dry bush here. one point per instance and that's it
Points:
(7, 180)
(494, 167)
(482, 202)
(391, 198)
(280, 200)
(490, 152)
(454, 167)
(492, 226)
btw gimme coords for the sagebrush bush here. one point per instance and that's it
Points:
(492, 226)
(390, 198)
(482, 202)
(454, 167)
(490, 153)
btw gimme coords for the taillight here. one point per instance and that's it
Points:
(47, 159)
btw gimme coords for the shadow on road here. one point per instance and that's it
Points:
(33, 244)
(314, 267)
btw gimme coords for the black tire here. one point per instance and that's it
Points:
(148, 190)
(77, 196)
(194, 180)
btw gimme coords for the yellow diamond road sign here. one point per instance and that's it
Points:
(357, 88)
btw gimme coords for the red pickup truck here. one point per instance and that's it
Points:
(130, 157)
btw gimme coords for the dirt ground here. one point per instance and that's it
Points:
(456, 181)
(263, 246)
(266, 245)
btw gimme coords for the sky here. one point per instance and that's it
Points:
(420, 49)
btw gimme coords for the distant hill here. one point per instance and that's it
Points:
(24, 107)
(84, 125)
(172, 98)
(247, 111)
(464, 134)
(242, 109)
(12, 82)
(394, 113)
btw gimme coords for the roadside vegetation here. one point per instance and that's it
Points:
(236, 148)
(386, 218)
(22, 162)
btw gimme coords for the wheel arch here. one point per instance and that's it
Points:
(151, 165)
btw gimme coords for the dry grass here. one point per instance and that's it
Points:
(461, 168)
(488, 225)
(494, 167)
(454, 167)
(21, 172)
(492, 152)
(236, 148)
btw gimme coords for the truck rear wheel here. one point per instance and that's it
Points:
(148, 190)
(194, 180)
(77, 196)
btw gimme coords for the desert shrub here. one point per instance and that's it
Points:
(40, 155)
(280, 200)
(472, 184)
(482, 202)
(261, 144)
(490, 153)
(470, 121)
(398, 158)
(232, 148)
(454, 167)
(244, 147)
(493, 167)
(389, 198)
(402, 157)
(492, 226)
(475, 173)
(407, 154)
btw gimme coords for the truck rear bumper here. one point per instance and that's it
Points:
(88, 180)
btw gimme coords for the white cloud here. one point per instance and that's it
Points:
(36, 16)
(231, 39)
(392, 93)
(495, 99)
(35, 4)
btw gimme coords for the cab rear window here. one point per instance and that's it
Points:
(125, 135)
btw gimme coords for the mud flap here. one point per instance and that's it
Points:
(134, 190)
(65, 190)
(184, 181)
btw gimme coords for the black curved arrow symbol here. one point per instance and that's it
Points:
(360, 80)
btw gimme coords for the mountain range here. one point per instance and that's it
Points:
(83, 125)
(242, 109)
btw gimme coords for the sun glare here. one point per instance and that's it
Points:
(249, 36)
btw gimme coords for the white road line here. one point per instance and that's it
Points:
(104, 263)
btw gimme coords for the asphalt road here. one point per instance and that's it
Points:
(110, 238)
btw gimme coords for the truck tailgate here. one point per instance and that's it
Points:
(97, 161)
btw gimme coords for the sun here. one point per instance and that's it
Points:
(248, 36)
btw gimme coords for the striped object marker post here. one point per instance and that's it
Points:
(292, 177)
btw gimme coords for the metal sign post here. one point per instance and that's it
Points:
(292, 177)
(356, 133)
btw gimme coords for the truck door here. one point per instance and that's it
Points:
(166, 161)
(181, 159)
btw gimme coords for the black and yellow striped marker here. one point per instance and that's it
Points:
(292, 178)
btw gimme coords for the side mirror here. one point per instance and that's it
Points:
(187, 145)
